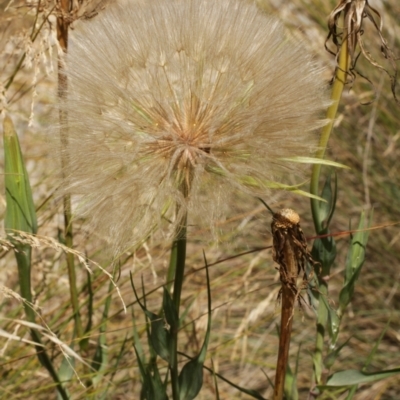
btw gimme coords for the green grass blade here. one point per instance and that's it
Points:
(355, 377)
(20, 213)
(21, 217)
(20, 210)
(354, 262)
(312, 160)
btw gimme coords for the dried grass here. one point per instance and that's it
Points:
(244, 338)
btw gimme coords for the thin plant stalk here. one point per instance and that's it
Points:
(62, 36)
(288, 303)
(178, 255)
(179, 247)
(289, 252)
(337, 90)
(33, 36)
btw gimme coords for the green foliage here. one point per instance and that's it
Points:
(65, 373)
(191, 379)
(21, 217)
(324, 247)
(20, 213)
(20, 210)
(191, 376)
(152, 386)
(162, 339)
(160, 336)
(100, 357)
(354, 262)
(354, 377)
(291, 390)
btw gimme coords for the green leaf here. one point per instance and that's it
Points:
(375, 347)
(324, 248)
(66, 372)
(217, 397)
(354, 262)
(354, 377)
(20, 211)
(115, 368)
(324, 252)
(333, 320)
(160, 337)
(84, 343)
(312, 160)
(21, 216)
(136, 341)
(252, 182)
(191, 376)
(170, 312)
(291, 391)
(332, 356)
(141, 364)
(353, 388)
(100, 358)
(190, 379)
(152, 387)
(327, 208)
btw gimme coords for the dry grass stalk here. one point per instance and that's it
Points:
(290, 252)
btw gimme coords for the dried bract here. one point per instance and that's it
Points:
(354, 13)
(175, 104)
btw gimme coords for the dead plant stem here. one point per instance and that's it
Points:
(289, 254)
(62, 36)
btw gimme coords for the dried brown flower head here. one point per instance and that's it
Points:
(354, 13)
(175, 104)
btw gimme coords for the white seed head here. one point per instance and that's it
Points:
(163, 94)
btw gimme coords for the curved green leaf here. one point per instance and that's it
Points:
(354, 377)
(20, 212)
(312, 160)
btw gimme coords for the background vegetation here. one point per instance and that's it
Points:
(244, 288)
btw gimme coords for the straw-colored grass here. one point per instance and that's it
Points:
(243, 345)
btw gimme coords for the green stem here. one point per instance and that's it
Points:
(180, 244)
(62, 36)
(71, 269)
(172, 266)
(24, 271)
(337, 90)
(176, 274)
(322, 319)
(178, 253)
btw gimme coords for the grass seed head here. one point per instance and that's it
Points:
(163, 95)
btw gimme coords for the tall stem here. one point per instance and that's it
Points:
(287, 240)
(337, 90)
(176, 273)
(180, 244)
(62, 36)
(289, 296)
(179, 248)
